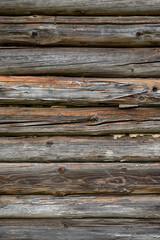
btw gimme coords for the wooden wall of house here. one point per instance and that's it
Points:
(80, 120)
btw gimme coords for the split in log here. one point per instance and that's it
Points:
(77, 121)
(79, 91)
(101, 62)
(34, 206)
(81, 7)
(77, 229)
(81, 149)
(75, 178)
(80, 31)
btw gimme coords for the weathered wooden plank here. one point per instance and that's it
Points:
(133, 148)
(79, 19)
(82, 7)
(104, 62)
(75, 178)
(79, 31)
(77, 229)
(77, 121)
(79, 91)
(85, 19)
(35, 206)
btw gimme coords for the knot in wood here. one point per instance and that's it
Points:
(154, 89)
(141, 98)
(49, 143)
(65, 225)
(124, 169)
(61, 170)
(34, 34)
(138, 34)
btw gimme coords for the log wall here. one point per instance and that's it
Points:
(80, 120)
(80, 31)
(82, 7)
(95, 62)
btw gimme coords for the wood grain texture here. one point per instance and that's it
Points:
(77, 229)
(101, 62)
(80, 31)
(82, 7)
(35, 206)
(15, 121)
(79, 91)
(75, 178)
(81, 149)
(80, 19)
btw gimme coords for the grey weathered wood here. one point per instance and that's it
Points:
(71, 178)
(81, 149)
(80, 19)
(79, 91)
(77, 229)
(104, 62)
(80, 31)
(35, 206)
(81, 7)
(16, 121)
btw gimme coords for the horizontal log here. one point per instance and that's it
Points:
(79, 91)
(77, 121)
(80, 19)
(80, 31)
(82, 7)
(81, 149)
(34, 206)
(77, 229)
(102, 62)
(75, 178)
